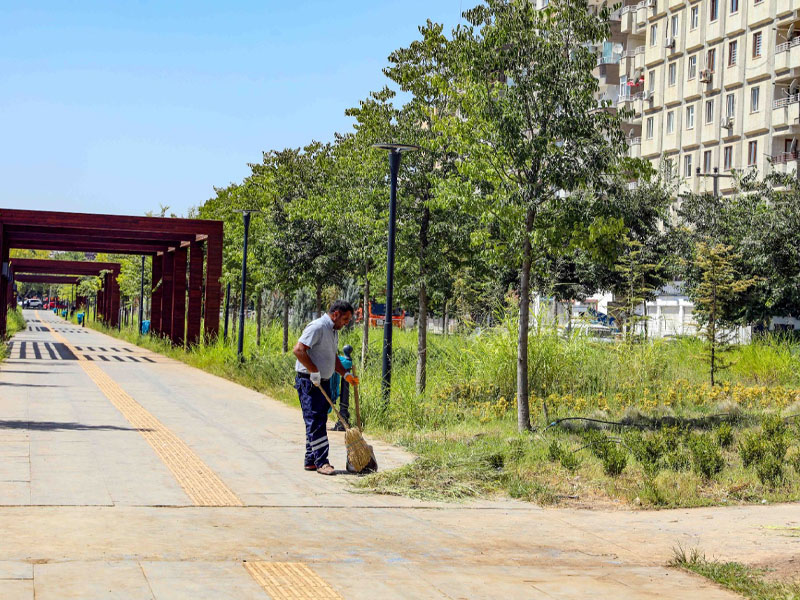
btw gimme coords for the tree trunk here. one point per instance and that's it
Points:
(422, 324)
(365, 335)
(319, 299)
(286, 322)
(259, 302)
(444, 319)
(422, 340)
(523, 408)
(569, 318)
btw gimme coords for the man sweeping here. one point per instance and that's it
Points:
(317, 360)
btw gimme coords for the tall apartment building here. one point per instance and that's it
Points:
(712, 83)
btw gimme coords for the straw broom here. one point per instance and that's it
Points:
(359, 453)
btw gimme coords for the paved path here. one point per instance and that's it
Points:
(124, 474)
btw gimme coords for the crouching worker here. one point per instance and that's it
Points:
(317, 360)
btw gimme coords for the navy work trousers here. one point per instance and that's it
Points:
(315, 415)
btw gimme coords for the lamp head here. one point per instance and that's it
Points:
(400, 148)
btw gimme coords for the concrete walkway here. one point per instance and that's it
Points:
(124, 474)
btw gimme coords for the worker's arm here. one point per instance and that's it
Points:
(300, 350)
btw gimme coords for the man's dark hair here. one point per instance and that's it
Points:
(342, 306)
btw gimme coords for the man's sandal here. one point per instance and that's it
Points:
(326, 469)
(310, 467)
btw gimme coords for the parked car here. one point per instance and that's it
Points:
(34, 303)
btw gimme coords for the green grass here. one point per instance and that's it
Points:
(750, 582)
(463, 428)
(14, 322)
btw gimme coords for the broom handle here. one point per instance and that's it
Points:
(338, 414)
(355, 399)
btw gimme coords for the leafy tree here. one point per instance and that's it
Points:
(436, 238)
(713, 296)
(527, 130)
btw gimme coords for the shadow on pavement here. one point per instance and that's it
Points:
(66, 426)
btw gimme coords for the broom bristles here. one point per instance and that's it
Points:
(358, 452)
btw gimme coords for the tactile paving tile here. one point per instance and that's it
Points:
(197, 479)
(290, 581)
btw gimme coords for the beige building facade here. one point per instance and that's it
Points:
(713, 84)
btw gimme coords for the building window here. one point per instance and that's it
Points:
(755, 99)
(651, 80)
(673, 70)
(752, 153)
(711, 59)
(650, 128)
(732, 51)
(675, 25)
(707, 161)
(653, 34)
(670, 121)
(757, 45)
(734, 6)
(709, 111)
(687, 165)
(730, 105)
(727, 158)
(692, 66)
(690, 117)
(714, 10)
(694, 17)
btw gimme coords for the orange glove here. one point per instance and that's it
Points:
(351, 379)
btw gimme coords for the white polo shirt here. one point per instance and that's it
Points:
(323, 343)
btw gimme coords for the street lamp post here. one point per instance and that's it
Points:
(246, 216)
(395, 151)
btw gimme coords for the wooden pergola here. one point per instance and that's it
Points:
(181, 250)
(107, 296)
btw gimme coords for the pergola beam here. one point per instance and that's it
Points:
(55, 279)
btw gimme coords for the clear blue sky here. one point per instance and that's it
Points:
(121, 106)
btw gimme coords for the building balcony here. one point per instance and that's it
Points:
(785, 111)
(786, 157)
(787, 55)
(627, 19)
(635, 147)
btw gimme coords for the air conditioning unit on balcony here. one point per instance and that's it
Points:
(647, 95)
(705, 75)
(651, 4)
(727, 123)
(670, 43)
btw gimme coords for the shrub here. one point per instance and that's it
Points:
(569, 460)
(706, 458)
(648, 450)
(678, 460)
(770, 470)
(597, 441)
(795, 460)
(752, 448)
(724, 435)
(773, 426)
(614, 460)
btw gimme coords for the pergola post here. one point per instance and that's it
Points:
(155, 295)
(213, 274)
(194, 310)
(179, 297)
(114, 286)
(4, 267)
(167, 278)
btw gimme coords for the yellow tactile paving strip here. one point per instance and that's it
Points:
(290, 581)
(199, 482)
